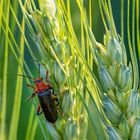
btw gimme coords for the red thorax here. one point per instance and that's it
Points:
(41, 85)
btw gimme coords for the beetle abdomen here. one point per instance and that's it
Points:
(48, 106)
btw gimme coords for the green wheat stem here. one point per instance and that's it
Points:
(122, 29)
(133, 28)
(4, 86)
(16, 45)
(82, 37)
(87, 48)
(14, 53)
(27, 4)
(122, 20)
(133, 42)
(33, 4)
(18, 93)
(67, 17)
(13, 23)
(102, 15)
(34, 127)
(26, 42)
(88, 51)
(135, 83)
(30, 122)
(10, 45)
(1, 9)
(106, 11)
(90, 13)
(68, 10)
(137, 26)
(88, 42)
(112, 19)
(87, 29)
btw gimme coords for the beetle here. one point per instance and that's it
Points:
(47, 99)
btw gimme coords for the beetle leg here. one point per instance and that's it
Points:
(55, 99)
(38, 112)
(33, 95)
(47, 76)
(30, 86)
(59, 110)
(53, 91)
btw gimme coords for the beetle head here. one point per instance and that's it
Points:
(39, 79)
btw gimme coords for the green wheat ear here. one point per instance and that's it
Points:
(96, 83)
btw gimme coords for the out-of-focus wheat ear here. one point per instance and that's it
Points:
(135, 135)
(124, 127)
(124, 78)
(97, 126)
(111, 110)
(138, 26)
(114, 134)
(106, 79)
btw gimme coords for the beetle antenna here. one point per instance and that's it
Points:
(39, 69)
(21, 75)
